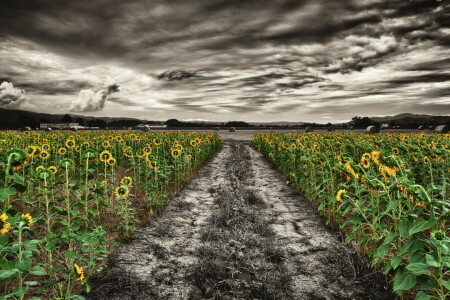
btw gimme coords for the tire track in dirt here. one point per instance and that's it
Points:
(237, 231)
(154, 263)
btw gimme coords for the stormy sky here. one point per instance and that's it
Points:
(220, 60)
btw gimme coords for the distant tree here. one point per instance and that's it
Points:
(26, 120)
(97, 123)
(359, 122)
(66, 119)
(237, 124)
(80, 121)
(174, 123)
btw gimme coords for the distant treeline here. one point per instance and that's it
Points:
(28, 119)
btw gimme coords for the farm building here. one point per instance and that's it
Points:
(58, 125)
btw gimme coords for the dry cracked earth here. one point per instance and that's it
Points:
(238, 231)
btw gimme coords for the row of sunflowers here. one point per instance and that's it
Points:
(67, 198)
(388, 193)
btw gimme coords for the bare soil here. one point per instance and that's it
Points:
(238, 231)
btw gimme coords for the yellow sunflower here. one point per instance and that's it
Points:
(339, 195)
(70, 143)
(4, 224)
(365, 163)
(44, 154)
(79, 271)
(53, 169)
(62, 151)
(126, 181)
(122, 191)
(28, 219)
(111, 161)
(105, 156)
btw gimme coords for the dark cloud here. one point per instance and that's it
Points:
(231, 56)
(177, 75)
(418, 79)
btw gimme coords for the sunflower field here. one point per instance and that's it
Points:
(67, 198)
(388, 193)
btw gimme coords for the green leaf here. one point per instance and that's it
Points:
(382, 250)
(36, 270)
(396, 260)
(431, 261)
(31, 283)
(445, 283)
(405, 226)
(23, 265)
(411, 246)
(422, 296)
(16, 178)
(6, 192)
(6, 275)
(404, 281)
(70, 254)
(389, 238)
(421, 225)
(418, 268)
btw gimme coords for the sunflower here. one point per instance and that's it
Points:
(46, 147)
(40, 168)
(17, 158)
(44, 174)
(44, 154)
(127, 180)
(128, 152)
(376, 157)
(4, 225)
(150, 164)
(105, 156)
(66, 163)
(140, 153)
(193, 143)
(79, 271)
(175, 153)
(106, 144)
(27, 219)
(31, 150)
(147, 150)
(53, 169)
(426, 160)
(89, 154)
(122, 191)
(157, 141)
(396, 151)
(62, 151)
(365, 163)
(70, 143)
(112, 161)
(339, 195)
(352, 171)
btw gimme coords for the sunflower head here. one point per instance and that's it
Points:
(62, 151)
(44, 154)
(4, 224)
(112, 161)
(80, 272)
(89, 154)
(175, 152)
(438, 235)
(70, 143)
(43, 174)
(26, 219)
(16, 156)
(66, 163)
(127, 180)
(122, 191)
(339, 195)
(105, 156)
(53, 169)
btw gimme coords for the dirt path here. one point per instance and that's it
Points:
(238, 231)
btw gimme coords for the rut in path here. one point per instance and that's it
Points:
(237, 231)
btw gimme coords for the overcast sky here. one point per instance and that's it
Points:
(220, 60)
